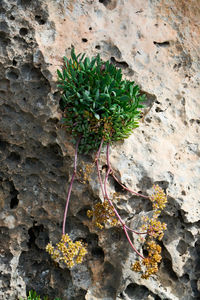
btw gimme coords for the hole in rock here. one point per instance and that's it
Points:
(39, 20)
(92, 240)
(110, 4)
(12, 75)
(14, 202)
(163, 184)
(14, 156)
(33, 234)
(162, 44)
(158, 109)
(84, 40)
(83, 212)
(98, 47)
(118, 187)
(23, 31)
(182, 247)
(133, 291)
(145, 253)
(120, 64)
(168, 267)
(98, 253)
(90, 28)
(3, 145)
(13, 193)
(14, 62)
(185, 278)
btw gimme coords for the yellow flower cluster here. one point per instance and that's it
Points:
(154, 227)
(136, 267)
(159, 199)
(67, 251)
(155, 230)
(102, 213)
(151, 262)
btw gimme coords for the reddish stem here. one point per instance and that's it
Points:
(115, 211)
(134, 231)
(102, 189)
(70, 187)
(130, 242)
(98, 171)
(124, 187)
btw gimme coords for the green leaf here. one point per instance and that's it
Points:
(60, 74)
(124, 98)
(87, 63)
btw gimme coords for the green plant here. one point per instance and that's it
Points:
(96, 102)
(99, 108)
(33, 296)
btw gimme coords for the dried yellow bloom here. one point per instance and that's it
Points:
(136, 267)
(159, 199)
(67, 251)
(102, 213)
(151, 262)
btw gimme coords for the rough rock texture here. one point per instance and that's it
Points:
(156, 43)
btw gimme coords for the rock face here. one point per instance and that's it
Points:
(156, 43)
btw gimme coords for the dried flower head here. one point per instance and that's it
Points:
(150, 263)
(159, 199)
(102, 213)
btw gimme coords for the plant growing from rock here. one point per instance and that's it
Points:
(32, 295)
(100, 108)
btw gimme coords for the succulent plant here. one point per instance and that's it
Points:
(96, 102)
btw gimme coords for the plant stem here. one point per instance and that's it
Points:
(97, 164)
(70, 186)
(124, 187)
(115, 211)
(102, 189)
(130, 242)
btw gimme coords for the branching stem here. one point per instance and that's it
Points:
(110, 202)
(125, 188)
(97, 164)
(70, 186)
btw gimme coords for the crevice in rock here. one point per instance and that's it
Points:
(162, 44)
(14, 156)
(33, 234)
(82, 213)
(119, 64)
(167, 264)
(13, 193)
(109, 4)
(40, 20)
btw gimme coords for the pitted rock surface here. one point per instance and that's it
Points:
(156, 43)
